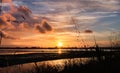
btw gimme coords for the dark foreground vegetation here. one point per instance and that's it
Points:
(105, 66)
(111, 65)
(102, 61)
(15, 59)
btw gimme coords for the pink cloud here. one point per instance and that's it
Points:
(6, 1)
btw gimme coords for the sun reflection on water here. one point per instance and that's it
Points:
(59, 51)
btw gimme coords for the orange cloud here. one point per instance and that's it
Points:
(5, 35)
(21, 18)
(6, 1)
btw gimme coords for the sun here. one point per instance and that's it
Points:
(59, 44)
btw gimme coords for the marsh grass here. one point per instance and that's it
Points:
(70, 66)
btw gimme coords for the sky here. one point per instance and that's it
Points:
(74, 23)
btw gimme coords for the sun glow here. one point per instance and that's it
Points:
(59, 44)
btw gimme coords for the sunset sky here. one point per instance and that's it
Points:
(46, 23)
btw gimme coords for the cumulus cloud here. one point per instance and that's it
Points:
(6, 36)
(46, 26)
(21, 17)
(43, 27)
(6, 1)
(22, 14)
(5, 21)
(40, 29)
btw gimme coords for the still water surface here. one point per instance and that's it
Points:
(24, 51)
(25, 68)
(58, 64)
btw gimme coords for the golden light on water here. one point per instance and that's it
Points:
(59, 51)
(59, 45)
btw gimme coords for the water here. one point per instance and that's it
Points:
(24, 51)
(57, 50)
(53, 64)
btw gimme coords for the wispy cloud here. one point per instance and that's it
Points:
(26, 16)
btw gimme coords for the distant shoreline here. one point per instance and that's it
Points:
(58, 47)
